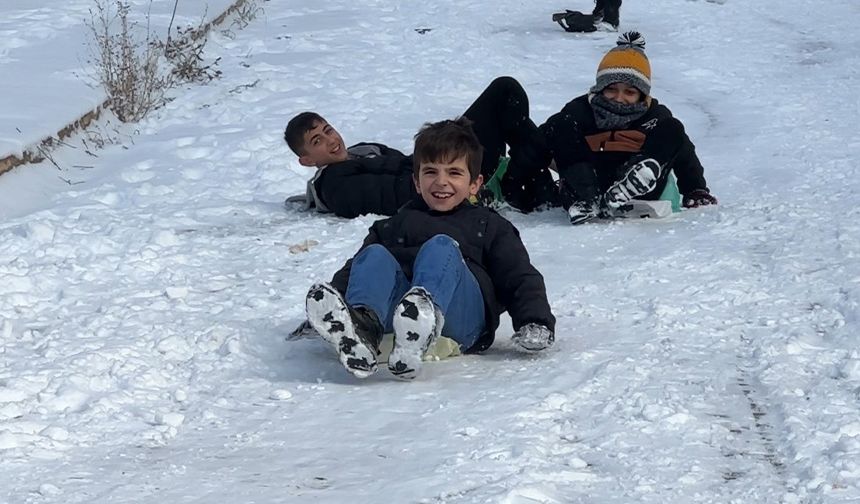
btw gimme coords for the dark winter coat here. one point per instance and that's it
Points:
(378, 180)
(573, 137)
(492, 249)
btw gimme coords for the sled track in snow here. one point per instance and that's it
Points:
(763, 428)
(753, 447)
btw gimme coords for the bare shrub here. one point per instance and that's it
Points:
(244, 13)
(127, 64)
(247, 12)
(184, 52)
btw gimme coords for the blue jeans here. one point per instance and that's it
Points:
(377, 282)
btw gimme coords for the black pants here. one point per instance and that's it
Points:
(609, 10)
(500, 117)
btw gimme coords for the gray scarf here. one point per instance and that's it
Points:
(610, 114)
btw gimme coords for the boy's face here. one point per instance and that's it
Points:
(443, 186)
(622, 93)
(323, 145)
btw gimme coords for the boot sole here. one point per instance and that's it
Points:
(414, 326)
(329, 315)
(635, 183)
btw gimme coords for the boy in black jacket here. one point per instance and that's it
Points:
(616, 143)
(440, 265)
(373, 178)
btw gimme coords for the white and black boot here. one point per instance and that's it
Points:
(641, 178)
(355, 339)
(581, 212)
(417, 323)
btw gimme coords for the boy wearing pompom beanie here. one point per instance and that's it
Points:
(616, 143)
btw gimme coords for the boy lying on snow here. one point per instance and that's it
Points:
(439, 266)
(371, 178)
(616, 143)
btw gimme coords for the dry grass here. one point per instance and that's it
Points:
(127, 63)
(135, 67)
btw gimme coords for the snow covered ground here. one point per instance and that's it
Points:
(146, 291)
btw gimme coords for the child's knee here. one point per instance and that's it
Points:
(505, 82)
(440, 244)
(444, 241)
(375, 248)
(374, 253)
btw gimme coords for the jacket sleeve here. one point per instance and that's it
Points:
(668, 143)
(340, 280)
(518, 285)
(358, 187)
(688, 169)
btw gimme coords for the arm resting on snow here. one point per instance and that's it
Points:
(519, 286)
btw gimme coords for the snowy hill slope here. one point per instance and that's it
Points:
(712, 357)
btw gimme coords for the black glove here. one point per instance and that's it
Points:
(699, 197)
(533, 337)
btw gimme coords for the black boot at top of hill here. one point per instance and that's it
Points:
(604, 17)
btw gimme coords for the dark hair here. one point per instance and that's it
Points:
(446, 141)
(296, 129)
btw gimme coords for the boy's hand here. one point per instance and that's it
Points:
(533, 338)
(699, 197)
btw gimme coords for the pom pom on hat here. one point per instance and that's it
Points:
(625, 63)
(631, 39)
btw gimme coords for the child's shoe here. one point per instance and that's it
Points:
(417, 323)
(353, 333)
(607, 15)
(641, 178)
(603, 26)
(581, 212)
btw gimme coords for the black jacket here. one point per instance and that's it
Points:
(492, 249)
(375, 183)
(573, 137)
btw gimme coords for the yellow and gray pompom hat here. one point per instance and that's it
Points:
(625, 63)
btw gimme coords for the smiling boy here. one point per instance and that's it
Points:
(321, 143)
(439, 266)
(616, 143)
(364, 178)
